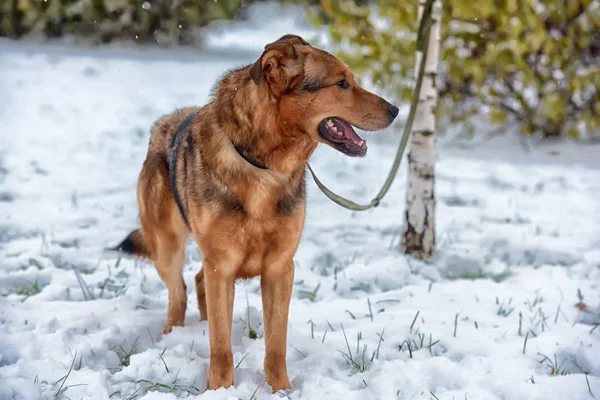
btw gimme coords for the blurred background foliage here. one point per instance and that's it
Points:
(534, 63)
(104, 21)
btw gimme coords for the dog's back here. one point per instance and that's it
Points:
(154, 183)
(163, 131)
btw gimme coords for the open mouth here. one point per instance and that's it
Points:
(342, 136)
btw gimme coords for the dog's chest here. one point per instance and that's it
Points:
(247, 247)
(246, 244)
(268, 245)
(250, 227)
(265, 199)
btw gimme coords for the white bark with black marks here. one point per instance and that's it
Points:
(418, 231)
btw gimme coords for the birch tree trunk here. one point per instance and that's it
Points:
(418, 231)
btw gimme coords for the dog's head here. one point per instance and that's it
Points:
(317, 95)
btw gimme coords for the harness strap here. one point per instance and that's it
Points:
(181, 129)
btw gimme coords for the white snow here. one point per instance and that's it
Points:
(518, 238)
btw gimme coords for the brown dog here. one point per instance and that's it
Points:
(232, 174)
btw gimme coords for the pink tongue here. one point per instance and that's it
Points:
(349, 132)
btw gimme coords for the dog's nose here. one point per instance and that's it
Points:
(393, 110)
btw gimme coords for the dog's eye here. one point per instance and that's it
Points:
(343, 84)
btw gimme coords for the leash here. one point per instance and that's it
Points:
(422, 46)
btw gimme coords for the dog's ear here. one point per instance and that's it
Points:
(280, 64)
(291, 39)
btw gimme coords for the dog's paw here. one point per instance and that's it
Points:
(281, 386)
(169, 326)
(279, 383)
(276, 372)
(217, 381)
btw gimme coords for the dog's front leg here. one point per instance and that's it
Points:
(276, 289)
(220, 287)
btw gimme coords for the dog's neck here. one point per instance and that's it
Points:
(248, 115)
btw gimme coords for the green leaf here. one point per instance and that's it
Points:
(554, 108)
(497, 116)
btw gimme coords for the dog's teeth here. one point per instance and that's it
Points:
(333, 129)
(362, 143)
(330, 123)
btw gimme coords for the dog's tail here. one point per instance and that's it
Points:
(134, 244)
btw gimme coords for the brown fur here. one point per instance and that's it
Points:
(247, 221)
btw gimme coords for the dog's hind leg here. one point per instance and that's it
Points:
(201, 293)
(169, 262)
(165, 234)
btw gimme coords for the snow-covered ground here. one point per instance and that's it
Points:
(496, 316)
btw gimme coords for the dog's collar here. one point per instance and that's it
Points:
(246, 156)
